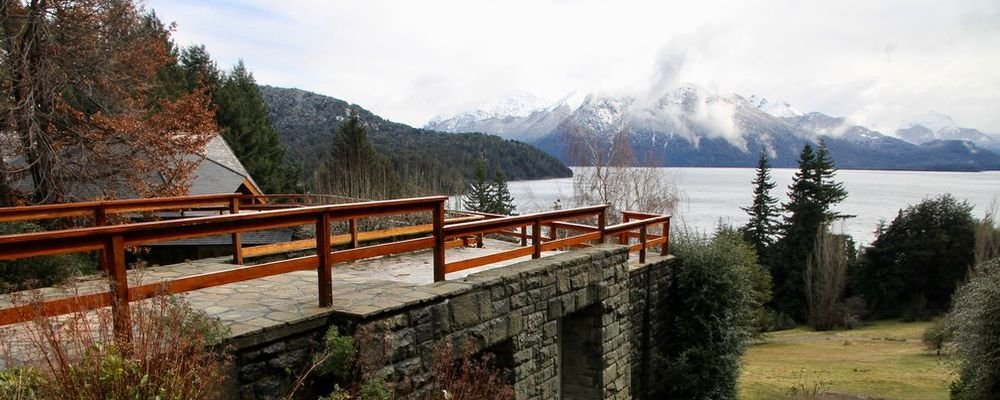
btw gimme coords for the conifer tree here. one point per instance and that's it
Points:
(353, 167)
(243, 117)
(503, 201)
(479, 195)
(812, 195)
(762, 228)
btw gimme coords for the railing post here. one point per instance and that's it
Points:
(101, 219)
(664, 250)
(353, 225)
(623, 237)
(234, 208)
(536, 238)
(114, 258)
(438, 229)
(552, 232)
(602, 223)
(642, 248)
(524, 235)
(324, 268)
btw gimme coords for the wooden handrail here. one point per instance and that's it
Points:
(112, 240)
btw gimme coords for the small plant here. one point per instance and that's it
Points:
(807, 388)
(937, 336)
(78, 356)
(19, 383)
(467, 377)
(337, 357)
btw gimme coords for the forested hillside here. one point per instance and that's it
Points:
(433, 161)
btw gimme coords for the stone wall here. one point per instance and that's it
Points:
(648, 284)
(569, 322)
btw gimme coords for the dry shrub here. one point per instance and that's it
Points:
(471, 377)
(174, 353)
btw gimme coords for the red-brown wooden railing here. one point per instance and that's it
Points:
(112, 241)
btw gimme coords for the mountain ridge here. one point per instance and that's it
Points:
(691, 126)
(307, 122)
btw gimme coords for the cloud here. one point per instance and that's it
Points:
(875, 61)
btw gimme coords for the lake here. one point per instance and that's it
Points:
(711, 195)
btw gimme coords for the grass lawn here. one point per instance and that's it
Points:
(884, 360)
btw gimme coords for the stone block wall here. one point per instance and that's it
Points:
(648, 284)
(569, 323)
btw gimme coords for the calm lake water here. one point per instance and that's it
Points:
(711, 195)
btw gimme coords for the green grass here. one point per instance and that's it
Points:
(883, 360)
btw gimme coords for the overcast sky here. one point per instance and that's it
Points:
(876, 62)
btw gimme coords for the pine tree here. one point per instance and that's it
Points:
(353, 167)
(243, 117)
(479, 195)
(503, 201)
(812, 195)
(829, 191)
(762, 228)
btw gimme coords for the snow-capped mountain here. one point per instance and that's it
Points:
(933, 126)
(693, 126)
(779, 109)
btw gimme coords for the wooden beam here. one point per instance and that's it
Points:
(324, 267)
(438, 227)
(237, 242)
(486, 260)
(114, 253)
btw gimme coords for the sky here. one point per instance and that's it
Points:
(875, 62)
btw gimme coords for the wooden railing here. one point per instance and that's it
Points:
(112, 241)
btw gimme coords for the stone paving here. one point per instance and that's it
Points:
(359, 288)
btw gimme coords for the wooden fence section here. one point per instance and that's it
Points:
(113, 241)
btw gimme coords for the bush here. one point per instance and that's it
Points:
(771, 321)
(937, 336)
(708, 319)
(78, 356)
(915, 264)
(337, 358)
(977, 334)
(39, 271)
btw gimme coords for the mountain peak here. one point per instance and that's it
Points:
(932, 120)
(780, 109)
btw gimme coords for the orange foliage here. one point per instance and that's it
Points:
(76, 90)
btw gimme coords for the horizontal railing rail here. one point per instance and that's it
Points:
(565, 228)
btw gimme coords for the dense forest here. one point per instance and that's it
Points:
(435, 161)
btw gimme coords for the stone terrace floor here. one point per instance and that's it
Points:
(359, 288)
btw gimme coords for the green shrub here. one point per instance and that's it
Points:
(708, 318)
(19, 384)
(975, 320)
(39, 271)
(338, 355)
(938, 335)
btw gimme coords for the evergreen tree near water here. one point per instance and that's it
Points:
(762, 228)
(812, 195)
(503, 201)
(479, 195)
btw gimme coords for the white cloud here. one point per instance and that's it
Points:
(872, 61)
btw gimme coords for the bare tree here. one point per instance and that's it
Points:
(987, 236)
(616, 176)
(826, 278)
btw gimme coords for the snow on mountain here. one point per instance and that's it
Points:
(932, 120)
(778, 109)
(933, 126)
(694, 126)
